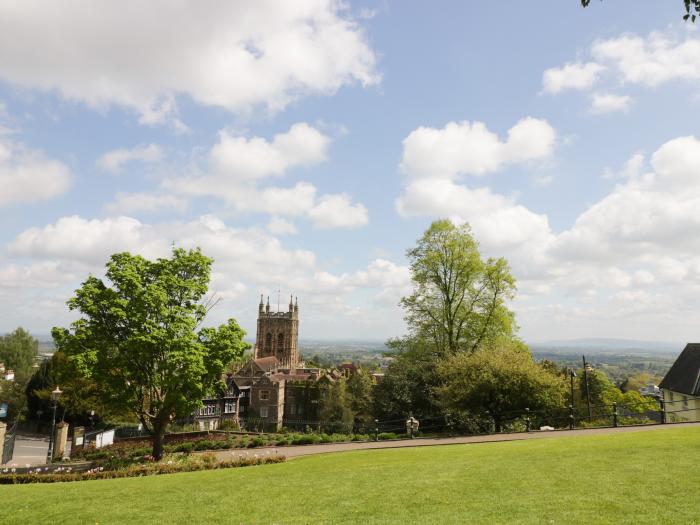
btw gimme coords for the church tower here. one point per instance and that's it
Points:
(278, 334)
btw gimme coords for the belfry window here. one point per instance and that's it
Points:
(268, 343)
(280, 342)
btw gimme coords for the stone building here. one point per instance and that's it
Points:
(278, 334)
(273, 389)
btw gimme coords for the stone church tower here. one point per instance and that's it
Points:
(278, 334)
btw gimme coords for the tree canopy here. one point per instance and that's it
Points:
(139, 337)
(18, 350)
(459, 299)
(503, 380)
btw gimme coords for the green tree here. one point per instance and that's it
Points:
(692, 8)
(408, 382)
(503, 380)
(458, 300)
(18, 350)
(139, 337)
(359, 390)
(335, 412)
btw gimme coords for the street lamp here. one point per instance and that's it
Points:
(55, 395)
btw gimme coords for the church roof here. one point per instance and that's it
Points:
(267, 363)
(684, 375)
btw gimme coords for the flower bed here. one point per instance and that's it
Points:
(169, 465)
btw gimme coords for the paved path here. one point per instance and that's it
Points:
(305, 450)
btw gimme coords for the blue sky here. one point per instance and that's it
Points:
(306, 145)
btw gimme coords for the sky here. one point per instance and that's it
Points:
(306, 145)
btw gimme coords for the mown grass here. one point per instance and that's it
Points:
(639, 477)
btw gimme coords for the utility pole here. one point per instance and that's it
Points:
(588, 392)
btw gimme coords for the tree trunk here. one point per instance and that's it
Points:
(158, 433)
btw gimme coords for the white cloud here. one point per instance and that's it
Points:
(237, 158)
(281, 226)
(609, 102)
(653, 60)
(571, 76)
(26, 175)
(247, 261)
(131, 203)
(338, 211)
(632, 168)
(239, 166)
(114, 160)
(470, 148)
(236, 55)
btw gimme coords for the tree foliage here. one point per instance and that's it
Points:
(359, 391)
(503, 380)
(458, 300)
(139, 337)
(18, 350)
(692, 8)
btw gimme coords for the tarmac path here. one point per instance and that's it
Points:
(306, 450)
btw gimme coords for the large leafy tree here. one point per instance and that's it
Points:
(502, 380)
(459, 299)
(139, 337)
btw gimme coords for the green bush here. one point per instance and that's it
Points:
(185, 447)
(256, 442)
(203, 444)
(388, 435)
(325, 438)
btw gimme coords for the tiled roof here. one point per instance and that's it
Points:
(684, 375)
(267, 363)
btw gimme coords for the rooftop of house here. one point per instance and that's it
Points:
(684, 375)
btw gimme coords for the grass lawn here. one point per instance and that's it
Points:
(639, 477)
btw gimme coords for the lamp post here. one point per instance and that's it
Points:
(572, 374)
(55, 395)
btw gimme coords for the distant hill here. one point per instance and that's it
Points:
(612, 346)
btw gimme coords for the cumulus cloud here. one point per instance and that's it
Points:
(470, 148)
(571, 76)
(236, 158)
(609, 102)
(281, 226)
(240, 166)
(338, 211)
(651, 60)
(235, 55)
(132, 203)
(27, 175)
(247, 261)
(114, 160)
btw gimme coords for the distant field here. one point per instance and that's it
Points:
(639, 477)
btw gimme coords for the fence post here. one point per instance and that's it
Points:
(376, 430)
(527, 420)
(615, 423)
(571, 417)
(662, 408)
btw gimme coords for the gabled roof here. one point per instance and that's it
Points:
(684, 375)
(267, 363)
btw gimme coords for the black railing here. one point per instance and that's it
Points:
(9, 444)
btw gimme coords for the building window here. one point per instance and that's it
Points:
(292, 409)
(263, 411)
(268, 343)
(230, 407)
(280, 342)
(264, 395)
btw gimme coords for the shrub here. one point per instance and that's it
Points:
(325, 438)
(229, 424)
(203, 444)
(388, 435)
(256, 442)
(185, 447)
